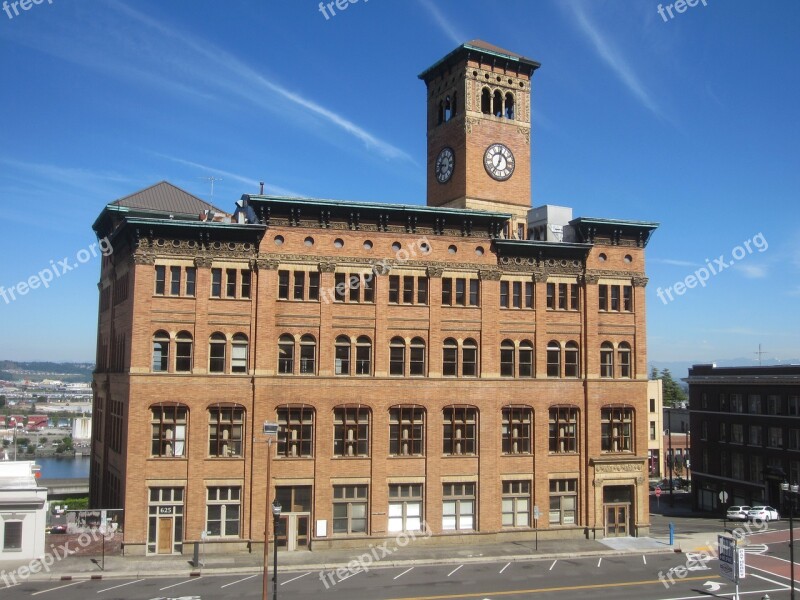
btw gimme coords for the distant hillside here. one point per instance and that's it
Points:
(37, 371)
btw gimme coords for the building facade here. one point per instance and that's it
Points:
(452, 365)
(655, 427)
(745, 430)
(23, 511)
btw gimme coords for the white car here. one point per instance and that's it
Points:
(763, 513)
(738, 513)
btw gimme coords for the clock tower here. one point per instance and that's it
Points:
(479, 131)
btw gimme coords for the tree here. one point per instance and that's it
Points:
(673, 392)
(2, 401)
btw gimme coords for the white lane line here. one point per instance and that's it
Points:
(454, 570)
(180, 583)
(404, 572)
(504, 568)
(292, 579)
(599, 561)
(239, 581)
(728, 595)
(749, 567)
(788, 587)
(349, 576)
(118, 586)
(61, 587)
(644, 559)
(553, 565)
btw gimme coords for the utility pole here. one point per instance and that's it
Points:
(759, 353)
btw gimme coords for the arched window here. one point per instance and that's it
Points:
(183, 352)
(363, 355)
(286, 354)
(486, 101)
(624, 354)
(469, 358)
(507, 358)
(397, 356)
(342, 355)
(351, 431)
(553, 359)
(616, 429)
(406, 430)
(497, 108)
(168, 430)
(450, 358)
(606, 359)
(225, 431)
(525, 359)
(239, 353)
(448, 109)
(509, 105)
(161, 351)
(440, 113)
(563, 429)
(416, 366)
(216, 354)
(517, 429)
(460, 430)
(455, 105)
(308, 355)
(572, 366)
(296, 431)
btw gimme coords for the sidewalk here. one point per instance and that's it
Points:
(84, 567)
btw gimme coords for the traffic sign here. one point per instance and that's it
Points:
(658, 491)
(727, 558)
(723, 496)
(536, 513)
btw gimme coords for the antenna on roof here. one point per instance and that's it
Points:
(759, 353)
(261, 183)
(212, 180)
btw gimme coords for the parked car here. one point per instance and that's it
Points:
(763, 513)
(738, 513)
(58, 529)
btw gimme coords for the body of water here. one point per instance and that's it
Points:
(64, 468)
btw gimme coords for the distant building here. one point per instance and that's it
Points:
(36, 422)
(23, 511)
(655, 426)
(745, 429)
(82, 428)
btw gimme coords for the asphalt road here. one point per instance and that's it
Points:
(633, 577)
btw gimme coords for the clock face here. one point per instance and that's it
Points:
(444, 165)
(499, 162)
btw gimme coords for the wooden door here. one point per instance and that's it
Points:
(164, 535)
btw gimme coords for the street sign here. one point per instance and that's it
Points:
(727, 558)
(536, 513)
(658, 491)
(740, 563)
(723, 496)
(270, 428)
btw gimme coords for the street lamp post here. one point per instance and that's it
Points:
(671, 458)
(791, 491)
(271, 432)
(276, 514)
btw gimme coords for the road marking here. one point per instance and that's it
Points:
(770, 580)
(599, 561)
(553, 565)
(61, 587)
(644, 559)
(290, 580)
(239, 581)
(404, 572)
(119, 586)
(350, 575)
(454, 570)
(553, 589)
(504, 568)
(180, 583)
(749, 567)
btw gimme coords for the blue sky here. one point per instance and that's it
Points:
(689, 121)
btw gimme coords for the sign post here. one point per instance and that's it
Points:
(658, 495)
(536, 515)
(731, 561)
(271, 432)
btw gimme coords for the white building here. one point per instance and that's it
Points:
(82, 428)
(23, 512)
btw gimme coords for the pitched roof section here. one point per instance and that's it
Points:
(484, 50)
(167, 198)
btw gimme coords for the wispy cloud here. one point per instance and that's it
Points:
(751, 271)
(610, 55)
(59, 178)
(673, 262)
(446, 26)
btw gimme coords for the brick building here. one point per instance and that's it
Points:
(454, 364)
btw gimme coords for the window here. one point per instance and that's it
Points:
(507, 359)
(342, 355)
(191, 281)
(161, 276)
(406, 430)
(222, 511)
(416, 365)
(775, 437)
(299, 289)
(458, 506)
(723, 432)
(397, 356)
(460, 429)
(616, 429)
(349, 509)
(313, 285)
(363, 355)
(516, 503)
(408, 289)
(183, 352)
(349, 287)
(161, 351)
(794, 439)
(794, 406)
(615, 298)
(394, 289)
(563, 429)
(460, 291)
(405, 507)
(296, 431)
(572, 360)
(230, 283)
(497, 104)
(469, 358)
(351, 431)
(12, 535)
(563, 296)
(606, 359)
(486, 100)
(283, 285)
(510, 109)
(737, 465)
(296, 285)
(216, 283)
(627, 298)
(652, 431)
(553, 359)
(286, 354)
(239, 347)
(174, 281)
(652, 405)
(525, 358)
(563, 501)
(737, 403)
(624, 354)
(517, 428)
(754, 404)
(602, 295)
(516, 294)
(737, 433)
(308, 355)
(225, 431)
(168, 426)
(216, 353)
(774, 405)
(450, 358)
(757, 469)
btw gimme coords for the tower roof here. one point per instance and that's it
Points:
(484, 51)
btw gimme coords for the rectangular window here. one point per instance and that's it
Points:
(191, 280)
(754, 404)
(350, 509)
(246, 278)
(422, 290)
(516, 432)
(460, 429)
(296, 432)
(504, 294)
(775, 437)
(230, 283)
(562, 296)
(461, 285)
(355, 288)
(616, 429)
(563, 429)
(12, 535)
(474, 292)
(369, 288)
(737, 403)
(755, 436)
(603, 296)
(283, 285)
(225, 432)
(615, 298)
(161, 275)
(408, 289)
(406, 431)
(774, 405)
(737, 433)
(405, 507)
(551, 295)
(627, 298)
(174, 281)
(652, 405)
(168, 425)
(516, 503)
(299, 285)
(516, 298)
(447, 291)
(563, 501)
(652, 431)
(340, 287)
(794, 439)
(351, 431)
(458, 507)
(394, 289)
(574, 297)
(528, 294)
(313, 285)
(216, 283)
(737, 466)
(794, 406)
(223, 511)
